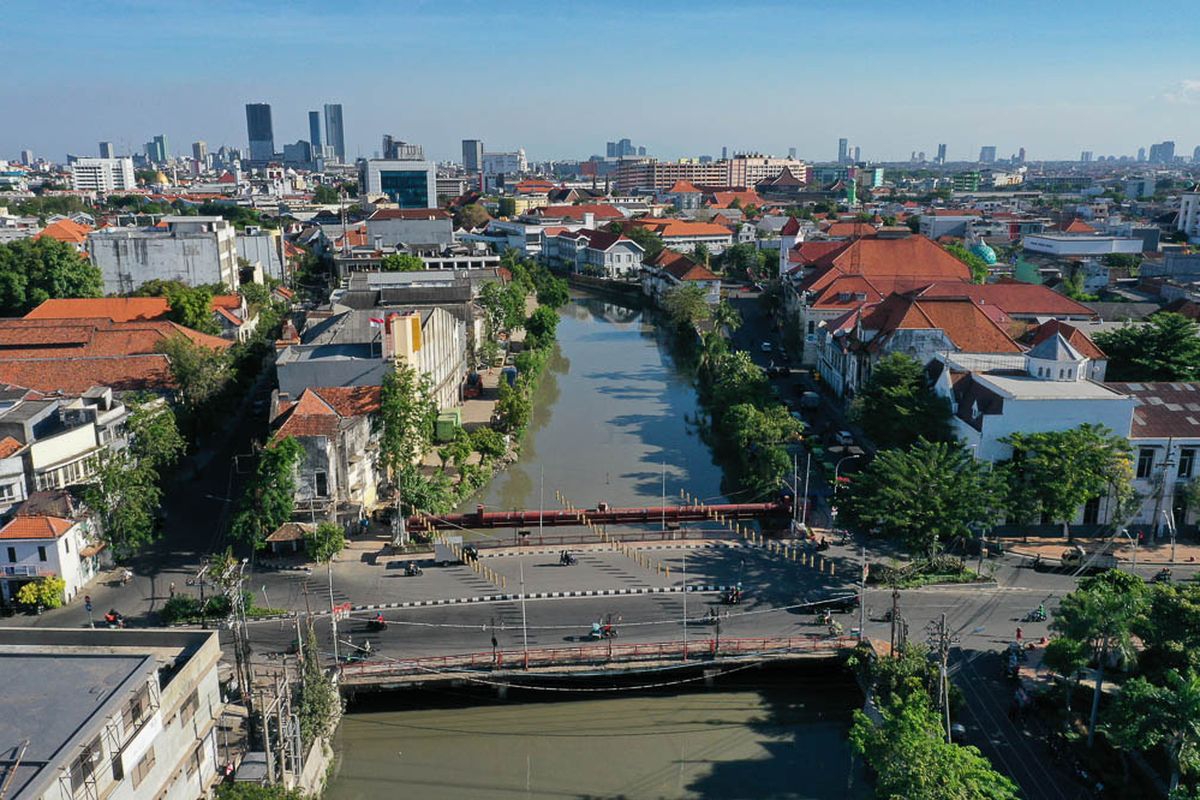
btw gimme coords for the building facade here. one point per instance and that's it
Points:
(194, 250)
(408, 184)
(259, 132)
(103, 175)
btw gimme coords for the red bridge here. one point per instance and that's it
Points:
(601, 515)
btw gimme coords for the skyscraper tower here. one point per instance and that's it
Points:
(107, 150)
(473, 154)
(314, 133)
(200, 151)
(843, 148)
(259, 132)
(335, 134)
(941, 156)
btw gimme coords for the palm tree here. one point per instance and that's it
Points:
(726, 316)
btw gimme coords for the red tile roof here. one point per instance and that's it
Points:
(791, 227)
(66, 230)
(1015, 298)
(683, 187)
(725, 199)
(963, 321)
(577, 212)
(1075, 337)
(886, 264)
(1163, 410)
(685, 270)
(40, 527)
(320, 409)
(1078, 226)
(117, 309)
(851, 229)
(669, 228)
(8, 446)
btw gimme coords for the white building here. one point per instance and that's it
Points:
(120, 715)
(103, 174)
(193, 250)
(415, 227)
(408, 184)
(39, 546)
(513, 163)
(1067, 245)
(599, 253)
(1189, 215)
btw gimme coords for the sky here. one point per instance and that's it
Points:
(680, 77)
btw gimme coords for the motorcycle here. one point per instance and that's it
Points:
(836, 629)
(565, 559)
(1163, 576)
(377, 624)
(732, 597)
(1037, 615)
(598, 631)
(113, 619)
(412, 570)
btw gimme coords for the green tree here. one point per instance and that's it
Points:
(255, 294)
(1067, 657)
(741, 260)
(726, 317)
(897, 406)
(200, 372)
(1164, 348)
(154, 438)
(541, 325)
(1146, 715)
(503, 306)
(46, 592)
(319, 705)
(253, 791)
(270, 495)
(701, 253)
(649, 241)
(755, 438)
(324, 541)
(407, 415)
(326, 195)
(926, 495)
(513, 406)
(192, 308)
(1170, 630)
(506, 207)
(979, 267)
(553, 292)
(401, 262)
(911, 758)
(687, 305)
(488, 442)
(1053, 473)
(457, 450)
(1102, 614)
(471, 216)
(35, 270)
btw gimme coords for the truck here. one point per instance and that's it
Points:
(446, 551)
(1076, 557)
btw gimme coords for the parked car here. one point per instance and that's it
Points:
(844, 438)
(766, 347)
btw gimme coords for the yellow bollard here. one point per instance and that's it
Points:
(668, 569)
(832, 568)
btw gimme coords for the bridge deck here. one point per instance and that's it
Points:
(601, 515)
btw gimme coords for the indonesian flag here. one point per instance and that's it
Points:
(376, 322)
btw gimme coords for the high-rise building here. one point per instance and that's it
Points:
(314, 132)
(843, 150)
(335, 132)
(987, 154)
(200, 151)
(156, 150)
(27, 157)
(792, 153)
(610, 149)
(164, 150)
(1196, 155)
(259, 132)
(1141, 156)
(625, 148)
(107, 150)
(641, 151)
(409, 184)
(941, 156)
(1162, 153)
(1086, 156)
(724, 152)
(396, 150)
(1021, 156)
(472, 150)
(857, 154)
(103, 174)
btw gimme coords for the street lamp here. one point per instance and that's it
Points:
(1132, 540)
(836, 470)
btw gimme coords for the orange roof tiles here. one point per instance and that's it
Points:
(1075, 337)
(963, 321)
(1078, 226)
(577, 212)
(320, 409)
(850, 229)
(36, 528)
(907, 262)
(745, 198)
(8, 446)
(667, 228)
(66, 230)
(683, 187)
(117, 309)
(1015, 298)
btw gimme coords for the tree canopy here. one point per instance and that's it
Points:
(542, 324)
(407, 416)
(503, 306)
(35, 270)
(401, 262)
(897, 407)
(1164, 348)
(471, 216)
(687, 305)
(191, 307)
(324, 541)
(978, 267)
(326, 195)
(1053, 473)
(650, 241)
(926, 495)
(269, 498)
(200, 372)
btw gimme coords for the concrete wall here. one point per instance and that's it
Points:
(410, 231)
(263, 248)
(127, 262)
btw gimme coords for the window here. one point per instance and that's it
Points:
(12, 555)
(41, 552)
(8, 491)
(189, 707)
(144, 765)
(137, 709)
(1145, 462)
(1187, 462)
(322, 484)
(67, 543)
(84, 765)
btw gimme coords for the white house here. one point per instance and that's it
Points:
(41, 546)
(670, 269)
(591, 252)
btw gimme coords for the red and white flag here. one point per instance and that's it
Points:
(376, 322)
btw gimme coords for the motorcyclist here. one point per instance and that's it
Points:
(596, 633)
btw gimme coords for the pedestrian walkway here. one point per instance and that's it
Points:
(1149, 553)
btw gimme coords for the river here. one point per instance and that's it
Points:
(613, 407)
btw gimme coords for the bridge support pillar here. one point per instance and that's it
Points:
(710, 678)
(502, 692)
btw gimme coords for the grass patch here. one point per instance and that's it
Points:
(926, 572)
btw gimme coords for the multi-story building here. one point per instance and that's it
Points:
(194, 250)
(415, 227)
(511, 163)
(36, 546)
(747, 170)
(1189, 215)
(843, 150)
(200, 151)
(335, 131)
(654, 176)
(987, 154)
(103, 175)
(260, 132)
(396, 150)
(472, 152)
(314, 133)
(941, 154)
(107, 150)
(1162, 153)
(122, 715)
(408, 184)
(600, 253)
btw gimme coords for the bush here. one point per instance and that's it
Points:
(46, 592)
(180, 608)
(488, 442)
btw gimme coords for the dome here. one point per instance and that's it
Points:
(161, 179)
(984, 251)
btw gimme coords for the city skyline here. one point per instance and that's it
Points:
(202, 77)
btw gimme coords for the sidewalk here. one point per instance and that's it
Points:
(1149, 553)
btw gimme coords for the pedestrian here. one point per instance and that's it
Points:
(172, 590)
(1019, 634)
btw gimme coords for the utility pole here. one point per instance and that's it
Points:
(332, 614)
(685, 617)
(524, 622)
(940, 641)
(541, 500)
(807, 465)
(664, 495)
(895, 615)
(862, 595)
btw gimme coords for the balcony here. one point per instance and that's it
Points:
(24, 571)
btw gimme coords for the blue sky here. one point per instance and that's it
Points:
(562, 78)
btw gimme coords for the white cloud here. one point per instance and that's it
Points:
(1186, 92)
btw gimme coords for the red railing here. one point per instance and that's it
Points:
(602, 515)
(604, 652)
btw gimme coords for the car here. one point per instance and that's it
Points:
(844, 438)
(766, 347)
